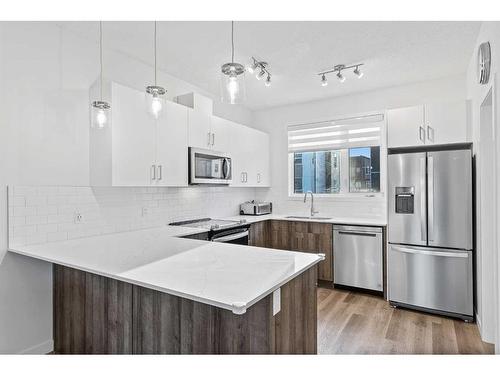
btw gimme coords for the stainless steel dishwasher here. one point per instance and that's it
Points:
(357, 258)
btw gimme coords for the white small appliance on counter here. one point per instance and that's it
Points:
(256, 208)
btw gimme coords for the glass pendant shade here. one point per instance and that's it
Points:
(233, 83)
(100, 114)
(155, 100)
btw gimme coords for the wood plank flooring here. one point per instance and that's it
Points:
(356, 323)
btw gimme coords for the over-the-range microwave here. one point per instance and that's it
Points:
(209, 167)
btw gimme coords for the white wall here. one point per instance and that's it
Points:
(487, 258)
(275, 122)
(45, 75)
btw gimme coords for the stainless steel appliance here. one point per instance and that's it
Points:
(230, 231)
(358, 257)
(209, 167)
(430, 258)
(256, 208)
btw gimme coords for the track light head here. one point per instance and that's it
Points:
(358, 72)
(252, 67)
(324, 81)
(268, 80)
(340, 76)
(261, 74)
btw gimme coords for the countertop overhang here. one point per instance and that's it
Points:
(228, 276)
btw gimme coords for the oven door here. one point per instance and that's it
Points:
(236, 236)
(209, 167)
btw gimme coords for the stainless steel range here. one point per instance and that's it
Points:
(230, 231)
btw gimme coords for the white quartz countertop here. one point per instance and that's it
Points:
(375, 221)
(228, 276)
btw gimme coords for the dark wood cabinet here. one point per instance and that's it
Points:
(303, 236)
(97, 315)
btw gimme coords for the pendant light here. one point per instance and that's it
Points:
(232, 78)
(100, 108)
(155, 95)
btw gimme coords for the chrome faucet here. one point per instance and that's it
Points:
(313, 211)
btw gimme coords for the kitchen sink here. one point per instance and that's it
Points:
(308, 217)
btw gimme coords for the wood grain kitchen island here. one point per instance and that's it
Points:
(98, 315)
(146, 292)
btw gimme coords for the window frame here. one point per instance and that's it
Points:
(344, 194)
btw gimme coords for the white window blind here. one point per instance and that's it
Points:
(343, 133)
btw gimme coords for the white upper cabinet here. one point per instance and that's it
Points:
(172, 150)
(429, 124)
(137, 150)
(200, 133)
(446, 122)
(405, 126)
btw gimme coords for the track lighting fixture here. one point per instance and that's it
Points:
(358, 72)
(338, 69)
(324, 81)
(340, 77)
(155, 94)
(233, 78)
(268, 80)
(261, 74)
(100, 108)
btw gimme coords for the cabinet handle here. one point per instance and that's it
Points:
(153, 172)
(208, 139)
(258, 178)
(421, 131)
(242, 176)
(246, 177)
(213, 139)
(430, 130)
(160, 172)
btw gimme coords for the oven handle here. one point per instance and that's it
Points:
(231, 237)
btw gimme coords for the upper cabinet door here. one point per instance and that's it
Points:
(200, 134)
(446, 122)
(133, 138)
(223, 134)
(172, 146)
(405, 127)
(263, 177)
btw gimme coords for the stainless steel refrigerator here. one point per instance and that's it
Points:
(430, 258)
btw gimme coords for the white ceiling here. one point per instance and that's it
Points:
(394, 53)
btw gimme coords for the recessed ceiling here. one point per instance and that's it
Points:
(394, 53)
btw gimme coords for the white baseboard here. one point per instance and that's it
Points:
(42, 348)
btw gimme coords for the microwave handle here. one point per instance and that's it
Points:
(225, 168)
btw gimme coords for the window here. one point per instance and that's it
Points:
(341, 156)
(318, 172)
(364, 169)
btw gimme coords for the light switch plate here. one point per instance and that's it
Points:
(276, 301)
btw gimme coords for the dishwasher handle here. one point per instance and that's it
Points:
(366, 234)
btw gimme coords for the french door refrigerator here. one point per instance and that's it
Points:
(430, 259)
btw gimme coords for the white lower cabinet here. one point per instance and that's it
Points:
(437, 123)
(136, 149)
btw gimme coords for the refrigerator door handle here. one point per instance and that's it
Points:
(423, 229)
(458, 254)
(431, 198)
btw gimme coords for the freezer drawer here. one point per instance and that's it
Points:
(357, 257)
(431, 278)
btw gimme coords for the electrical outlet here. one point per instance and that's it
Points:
(78, 217)
(145, 211)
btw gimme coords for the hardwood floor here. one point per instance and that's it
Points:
(356, 323)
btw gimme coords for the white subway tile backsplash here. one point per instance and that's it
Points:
(38, 214)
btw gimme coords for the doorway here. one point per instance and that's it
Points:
(487, 219)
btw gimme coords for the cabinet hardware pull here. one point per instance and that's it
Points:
(153, 172)
(160, 172)
(430, 133)
(242, 176)
(420, 131)
(208, 139)
(213, 139)
(258, 178)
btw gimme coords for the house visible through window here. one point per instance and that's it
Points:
(341, 156)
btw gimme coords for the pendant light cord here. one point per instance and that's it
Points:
(232, 41)
(100, 52)
(155, 53)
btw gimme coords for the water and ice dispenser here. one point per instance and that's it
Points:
(405, 196)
